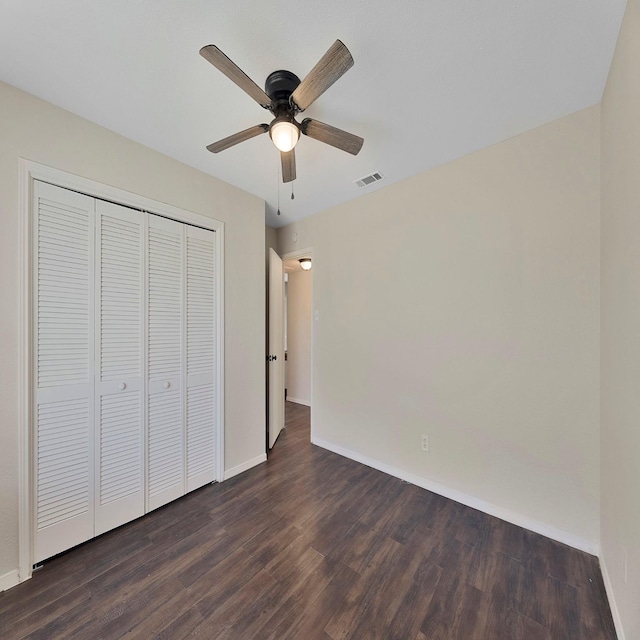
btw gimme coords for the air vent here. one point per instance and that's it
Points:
(367, 180)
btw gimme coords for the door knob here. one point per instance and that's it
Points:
(167, 385)
(122, 386)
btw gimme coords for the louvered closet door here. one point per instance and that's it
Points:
(201, 358)
(165, 410)
(119, 409)
(63, 346)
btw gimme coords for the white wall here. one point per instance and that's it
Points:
(270, 241)
(620, 368)
(299, 337)
(470, 312)
(38, 131)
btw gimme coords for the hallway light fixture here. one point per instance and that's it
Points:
(305, 263)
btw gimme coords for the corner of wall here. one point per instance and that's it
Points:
(615, 613)
(8, 580)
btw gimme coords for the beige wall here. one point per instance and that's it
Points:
(35, 130)
(469, 311)
(270, 241)
(620, 316)
(299, 337)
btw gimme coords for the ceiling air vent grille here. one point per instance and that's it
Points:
(370, 179)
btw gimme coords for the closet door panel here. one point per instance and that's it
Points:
(165, 433)
(125, 365)
(200, 357)
(120, 494)
(63, 357)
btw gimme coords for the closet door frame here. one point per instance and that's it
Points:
(29, 172)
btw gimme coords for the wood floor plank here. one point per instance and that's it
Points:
(416, 600)
(306, 612)
(595, 618)
(236, 610)
(527, 629)
(412, 516)
(224, 581)
(178, 628)
(268, 543)
(387, 598)
(455, 559)
(48, 616)
(313, 546)
(290, 574)
(361, 599)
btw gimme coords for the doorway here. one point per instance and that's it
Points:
(298, 329)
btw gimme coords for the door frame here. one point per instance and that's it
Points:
(28, 172)
(292, 255)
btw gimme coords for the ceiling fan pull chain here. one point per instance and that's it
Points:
(292, 196)
(278, 187)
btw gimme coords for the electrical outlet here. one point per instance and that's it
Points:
(425, 442)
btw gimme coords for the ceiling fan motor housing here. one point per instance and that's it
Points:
(279, 86)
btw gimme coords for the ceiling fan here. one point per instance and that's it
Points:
(285, 96)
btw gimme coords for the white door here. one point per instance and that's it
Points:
(63, 356)
(275, 355)
(165, 410)
(201, 358)
(125, 365)
(119, 357)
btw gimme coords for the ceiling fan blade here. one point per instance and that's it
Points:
(333, 64)
(330, 135)
(230, 69)
(288, 159)
(236, 138)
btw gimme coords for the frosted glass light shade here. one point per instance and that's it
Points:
(284, 134)
(305, 263)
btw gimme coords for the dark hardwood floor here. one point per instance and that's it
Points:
(313, 546)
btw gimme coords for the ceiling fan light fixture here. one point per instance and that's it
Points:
(285, 134)
(305, 263)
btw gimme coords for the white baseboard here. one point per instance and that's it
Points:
(9, 580)
(234, 471)
(617, 621)
(470, 501)
(306, 403)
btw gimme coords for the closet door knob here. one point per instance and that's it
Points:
(167, 384)
(122, 386)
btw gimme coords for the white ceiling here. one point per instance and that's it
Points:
(432, 80)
